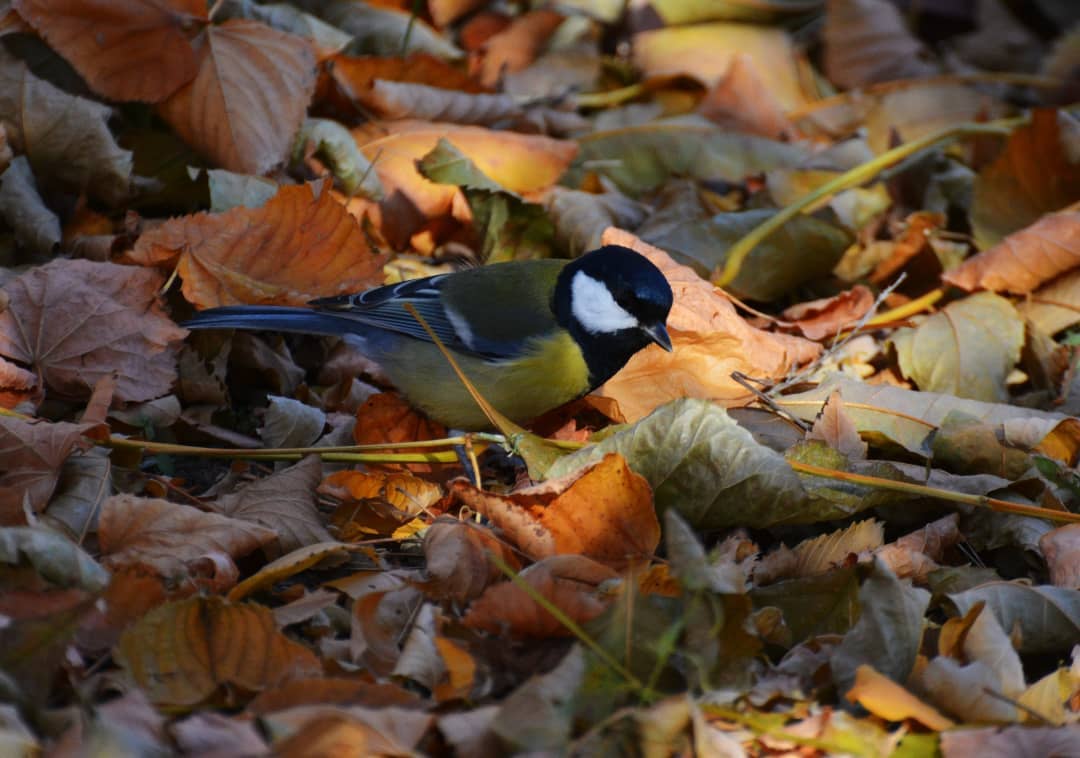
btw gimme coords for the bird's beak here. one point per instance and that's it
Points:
(658, 334)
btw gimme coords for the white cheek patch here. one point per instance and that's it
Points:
(595, 308)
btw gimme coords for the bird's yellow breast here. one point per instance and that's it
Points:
(551, 372)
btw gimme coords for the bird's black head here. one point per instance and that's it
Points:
(614, 302)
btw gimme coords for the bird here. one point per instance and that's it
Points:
(531, 335)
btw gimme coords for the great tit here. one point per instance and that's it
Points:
(531, 335)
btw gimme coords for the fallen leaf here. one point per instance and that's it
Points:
(284, 503)
(1035, 174)
(183, 652)
(76, 321)
(603, 511)
(249, 97)
(711, 342)
(1010, 741)
(967, 349)
(867, 41)
(518, 45)
(885, 698)
(835, 427)
(126, 50)
(403, 100)
(36, 227)
(710, 53)
(66, 138)
(1061, 547)
(169, 537)
(743, 101)
(458, 560)
(1048, 617)
(569, 582)
(387, 418)
(289, 565)
(300, 245)
(1025, 260)
(33, 453)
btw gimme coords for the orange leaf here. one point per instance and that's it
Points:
(520, 163)
(568, 581)
(460, 671)
(885, 698)
(181, 653)
(291, 250)
(355, 75)
(518, 45)
(125, 49)
(249, 97)
(711, 341)
(604, 512)
(386, 417)
(76, 321)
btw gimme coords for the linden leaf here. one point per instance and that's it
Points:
(181, 653)
(76, 321)
(248, 98)
(296, 247)
(125, 49)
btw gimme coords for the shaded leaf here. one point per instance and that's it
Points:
(289, 565)
(36, 227)
(76, 321)
(397, 100)
(33, 453)
(183, 652)
(300, 245)
(53, 557)
(866, 41)
(1061, 547)
(284, 503)
(458, 562)
(1034, 174)
(385, 31)
(66, 138)
(967, 349)
(818, 605)
(126, 50)
(642, 158)
(1048, 617)
(333, 143)
(290, 423)
(248, 98)
(581, 217)
(169, 537)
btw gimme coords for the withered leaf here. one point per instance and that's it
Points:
(76, 321)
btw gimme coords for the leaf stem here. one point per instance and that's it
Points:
(981, 501)
(725, 273)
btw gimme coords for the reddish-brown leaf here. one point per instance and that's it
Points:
(181, 653)
(355, 75)
(458, 559)
(518, 45)
(249, 97)
(75, 322)
(170, 537)
(125, 49)
(296, 247)
(31, 454)
(822, 318)
(568, 581)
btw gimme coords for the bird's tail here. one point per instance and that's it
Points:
(273, 318)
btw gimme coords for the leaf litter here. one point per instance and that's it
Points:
(840, 517)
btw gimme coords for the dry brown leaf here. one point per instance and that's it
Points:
(915, 555)
(348, 732)
(249, 97)
(32, 453)
(296, 247)
(912, 241)
(182, 653)
(386, 417)
(401, 100)
(312, 691)
(1061, 547)
(518, 45)
(445, 12)
(1025, 260)
(289, 565)
(818, 319)
(17, 385)
(285, 503)
(711, 342)
(169, 537)
(376, 503)
(124, 49)
(604, 512)
(525, 164)
(75, 322)
(458, 562)
(866, 41)
(569, 582)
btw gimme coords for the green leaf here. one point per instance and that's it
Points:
(967, 349)
(824, 604)
(804, 249)
(445, 164)
(336, 146)
(641, 158)
(705, 466)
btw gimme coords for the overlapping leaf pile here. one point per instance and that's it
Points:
(839, 518)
